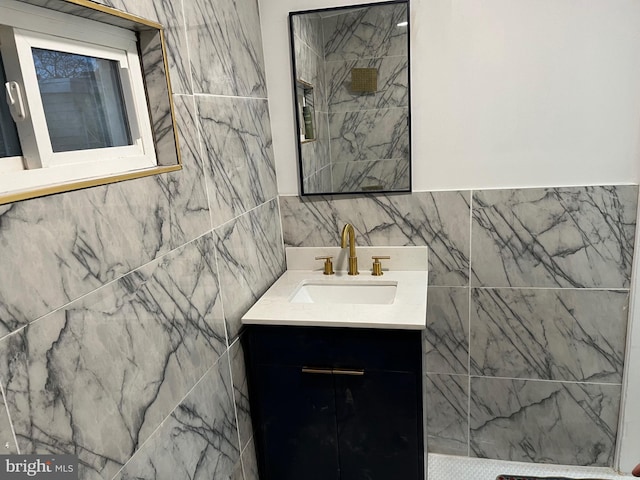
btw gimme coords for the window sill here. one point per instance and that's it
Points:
(85, 183)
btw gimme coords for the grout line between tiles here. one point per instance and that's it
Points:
(524, 379)
(306, 44)
(6, 407)
(248, 211)
(469, 326)
(224, 318)
(233, 399)
(215, 95)
(578, 289)
(242, 451)
(109, 283)
(281, 229)
(229, 345)
(400, 107)
(539, 187)
(349, 60)
(186, 38)
(196, 121)
(157, 259)
(521, 379)
(447, 374)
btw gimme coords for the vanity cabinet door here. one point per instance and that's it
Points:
(329, 423)
(378, 436)
(297, 414)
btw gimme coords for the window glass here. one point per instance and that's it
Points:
(82, 100)
(9, 141)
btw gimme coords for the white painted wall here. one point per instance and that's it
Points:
(505, 93)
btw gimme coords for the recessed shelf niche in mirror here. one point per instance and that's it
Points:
(351, 71)
(306, 111)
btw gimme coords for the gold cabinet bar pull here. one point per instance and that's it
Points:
(344, 371)
(333, 371)
(322, 371)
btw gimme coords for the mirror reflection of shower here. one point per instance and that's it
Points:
(351, 76)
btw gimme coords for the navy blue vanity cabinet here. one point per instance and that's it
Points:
(336, 403)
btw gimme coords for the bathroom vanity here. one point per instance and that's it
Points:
(336, 403)
(334, 367)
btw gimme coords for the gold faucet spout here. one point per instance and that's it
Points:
(349, 234)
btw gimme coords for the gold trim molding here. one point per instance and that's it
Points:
(80, 184)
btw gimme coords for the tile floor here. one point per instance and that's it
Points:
(448, 467)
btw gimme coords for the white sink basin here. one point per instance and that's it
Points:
(304, 296)
(362, 292)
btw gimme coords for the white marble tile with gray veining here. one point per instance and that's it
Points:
(439, 220)
(198, 440)
(7, 440)
(369, 134)
(189, 213)
(241, 393)
(78, 241)
(250, 462)
(96, 378)
(447, 418)
(310, 69)
(239, 163)
(315, 157)
(309, 66)
(387, 175)
(554, 237)
(563, 334)
(546, 422)
(392, 79)
(250, 258)
(170, 16)
(79, 10)
(315, 154)
(366, 32)
(158, 97)
(447, 334)
(237, 473)
(307, 29)
(318, 182)
(225, 46)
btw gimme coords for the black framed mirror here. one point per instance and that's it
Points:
(352, 98)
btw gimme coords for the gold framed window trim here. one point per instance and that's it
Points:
(151, 44)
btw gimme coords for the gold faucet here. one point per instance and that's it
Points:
(349, 232)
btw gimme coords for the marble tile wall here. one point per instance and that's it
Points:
(120, 305)
(369, 138)
(310, 68)
(527, 310)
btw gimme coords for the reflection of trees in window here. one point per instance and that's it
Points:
(54, 64)
(82, 100)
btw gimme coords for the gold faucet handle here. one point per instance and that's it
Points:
(328, 264)
(377, 266)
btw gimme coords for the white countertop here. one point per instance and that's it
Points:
(408, 311)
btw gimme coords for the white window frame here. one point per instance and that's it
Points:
(25, 26)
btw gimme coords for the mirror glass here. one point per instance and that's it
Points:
(351, 82)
